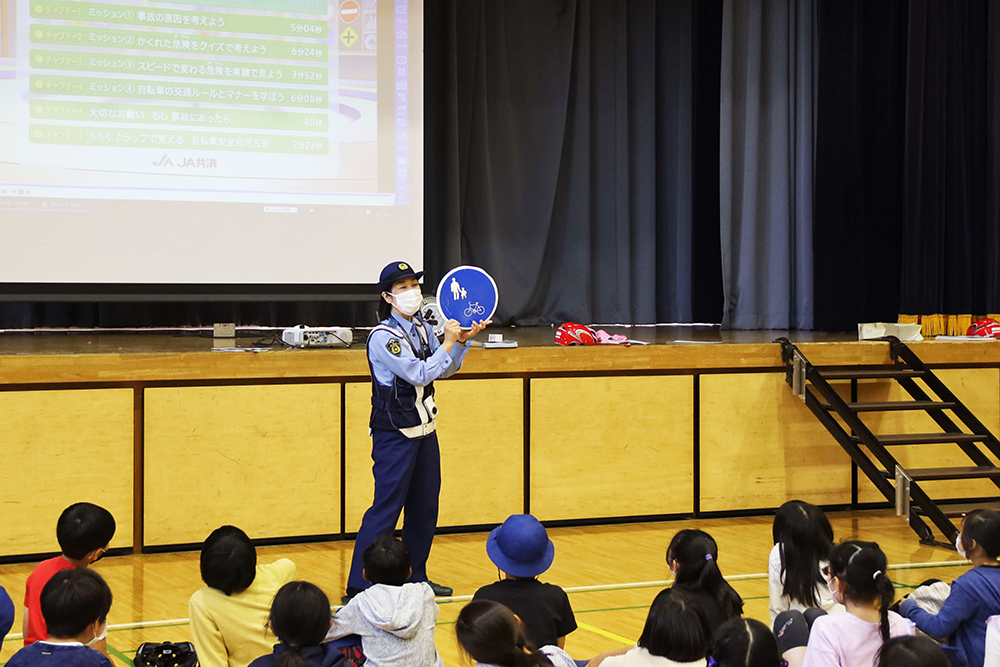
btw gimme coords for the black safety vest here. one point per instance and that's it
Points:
(402, 405)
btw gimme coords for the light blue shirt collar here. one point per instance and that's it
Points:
(407, 324)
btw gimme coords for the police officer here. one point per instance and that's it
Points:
(405, 359)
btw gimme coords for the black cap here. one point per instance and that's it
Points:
(394, 272)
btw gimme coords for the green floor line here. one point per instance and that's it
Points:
(121, 656)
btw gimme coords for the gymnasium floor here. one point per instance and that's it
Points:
(611, 574)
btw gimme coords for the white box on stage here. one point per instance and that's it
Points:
(303, 336)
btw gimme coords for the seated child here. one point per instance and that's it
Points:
(75, 605)
(744, 642)
(974, 596)
(6, 614)
(491, 634)
(677, 632)
(693, 557)
(859, 581)
(84, 532)
(395, 619)
(300, 619)
(229, 616)
(912, 652)
(522, 550)
(799, 565)
(992, 642)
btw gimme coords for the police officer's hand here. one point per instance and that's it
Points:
(476, 328)
(452, 333)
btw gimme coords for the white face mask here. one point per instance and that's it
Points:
(835, 592)
(101, 633)
(958, 546)
(408, 302)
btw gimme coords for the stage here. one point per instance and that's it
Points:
(180, 439)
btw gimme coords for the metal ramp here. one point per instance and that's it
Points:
(871, 452)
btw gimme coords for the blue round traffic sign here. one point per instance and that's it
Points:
(467, 294)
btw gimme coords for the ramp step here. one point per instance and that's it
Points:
(970, 472)
(870, 374)
(959, 510)
(929, 438)
(894, 406)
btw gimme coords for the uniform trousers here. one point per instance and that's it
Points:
(407, 478)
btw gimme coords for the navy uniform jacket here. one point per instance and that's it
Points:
(405, 359)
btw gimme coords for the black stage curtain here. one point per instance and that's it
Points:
(907, 218)
(16, 315)
(580, 163)
(992, 242)
(945, 259)
(858, 216)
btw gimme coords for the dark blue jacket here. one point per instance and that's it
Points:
(6, 614)
(324, 655)
(974, 597)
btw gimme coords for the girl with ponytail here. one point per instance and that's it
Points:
(974, 596)
(490, 633)
(693, 557)
(798, 569)
(860, 582)
(300, 618)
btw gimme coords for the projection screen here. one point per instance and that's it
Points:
(263, 142)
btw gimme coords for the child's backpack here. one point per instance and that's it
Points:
(166, 654)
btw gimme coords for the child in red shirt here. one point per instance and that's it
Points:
(84, 532)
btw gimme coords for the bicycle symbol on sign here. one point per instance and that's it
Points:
(474, 309)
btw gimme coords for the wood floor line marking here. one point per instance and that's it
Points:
(605, 633)
(568, 589)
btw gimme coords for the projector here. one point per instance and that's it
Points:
(303, 336)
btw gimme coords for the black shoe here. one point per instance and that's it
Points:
(439, 590)
(351, 593)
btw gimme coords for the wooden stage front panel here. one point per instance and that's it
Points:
(611, 446)
(59, 448)
(761, 446)
(265, 458)
(277, 442)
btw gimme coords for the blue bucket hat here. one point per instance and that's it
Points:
(520, 546)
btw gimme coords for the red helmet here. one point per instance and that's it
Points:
(572, 333)
(987, 328)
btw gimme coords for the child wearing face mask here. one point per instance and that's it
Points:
(860, 582)
(75, 604)
(974, 596)
(84, 533)
(405, 358)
